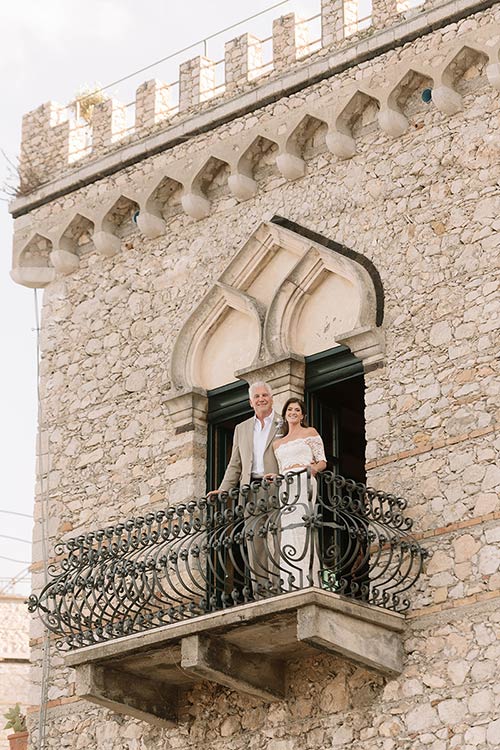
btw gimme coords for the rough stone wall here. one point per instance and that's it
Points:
(56, 141)
(52, 130)
(446, 698)
(14, 658)
(423, 208)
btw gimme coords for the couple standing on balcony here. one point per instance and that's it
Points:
(263, 446)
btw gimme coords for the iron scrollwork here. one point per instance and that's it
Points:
(262, 540)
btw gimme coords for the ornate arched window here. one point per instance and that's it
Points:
(293, 308)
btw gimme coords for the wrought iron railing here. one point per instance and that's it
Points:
(263, 540)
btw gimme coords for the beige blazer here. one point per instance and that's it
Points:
(239, 467)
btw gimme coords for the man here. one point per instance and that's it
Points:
(252, 457)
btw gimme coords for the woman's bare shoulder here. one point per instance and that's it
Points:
(312, 432)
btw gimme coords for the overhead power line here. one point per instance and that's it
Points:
(15, 538)
(16, 513)
(10, 583)
(190, 46)
(11, 559)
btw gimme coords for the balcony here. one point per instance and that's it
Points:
(230, 588)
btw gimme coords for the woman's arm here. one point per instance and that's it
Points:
(318, 452)
(317, 466)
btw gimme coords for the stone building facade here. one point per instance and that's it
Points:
(346, 197)
(14, 658)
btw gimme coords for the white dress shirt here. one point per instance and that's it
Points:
(260, 436)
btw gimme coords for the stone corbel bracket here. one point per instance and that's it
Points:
(149, 219)
(289, 159)
(444, 94)
(32, 265)
(407, 78)
(340, 139)
(64, 257)
(241, 181)
(105, 239)
(195, 200)
(67, 241)
(230, 161)
(244, 648)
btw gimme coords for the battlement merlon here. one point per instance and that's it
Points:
(54, 143)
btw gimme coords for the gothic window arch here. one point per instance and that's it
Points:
(287, 292)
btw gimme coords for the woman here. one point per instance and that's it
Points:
(300, 448)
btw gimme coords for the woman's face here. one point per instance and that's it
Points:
(293, 414)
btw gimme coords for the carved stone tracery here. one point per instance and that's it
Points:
(284, 296)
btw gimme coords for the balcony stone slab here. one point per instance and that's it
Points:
(246, 648)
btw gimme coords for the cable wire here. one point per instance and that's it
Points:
(185, 49)
(11, 582)
(15, 538)
(16, 513)
(11, 559)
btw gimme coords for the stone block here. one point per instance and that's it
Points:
(332, 22)
(451, 711)
(243, 58)
(196, 81)
(152, 104)
(108, 124)
(422, 718)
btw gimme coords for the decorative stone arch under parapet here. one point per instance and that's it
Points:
(32, 264)
(288, 293)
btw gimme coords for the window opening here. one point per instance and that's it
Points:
(227, 407)
(334, 392)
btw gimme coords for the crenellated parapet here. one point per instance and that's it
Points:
(55, 141)
(237, 164)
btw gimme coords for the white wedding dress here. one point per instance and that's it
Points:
(299, 563)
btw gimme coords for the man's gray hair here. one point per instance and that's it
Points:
(259, 384)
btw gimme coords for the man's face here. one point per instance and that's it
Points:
(262, 402)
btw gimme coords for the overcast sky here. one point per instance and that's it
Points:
(48, 50)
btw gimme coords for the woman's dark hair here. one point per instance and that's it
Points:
(302, 405)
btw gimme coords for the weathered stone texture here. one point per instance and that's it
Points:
(14, 623)
(333, 704)
(53, 141)
(14, 658)
(423, 207)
